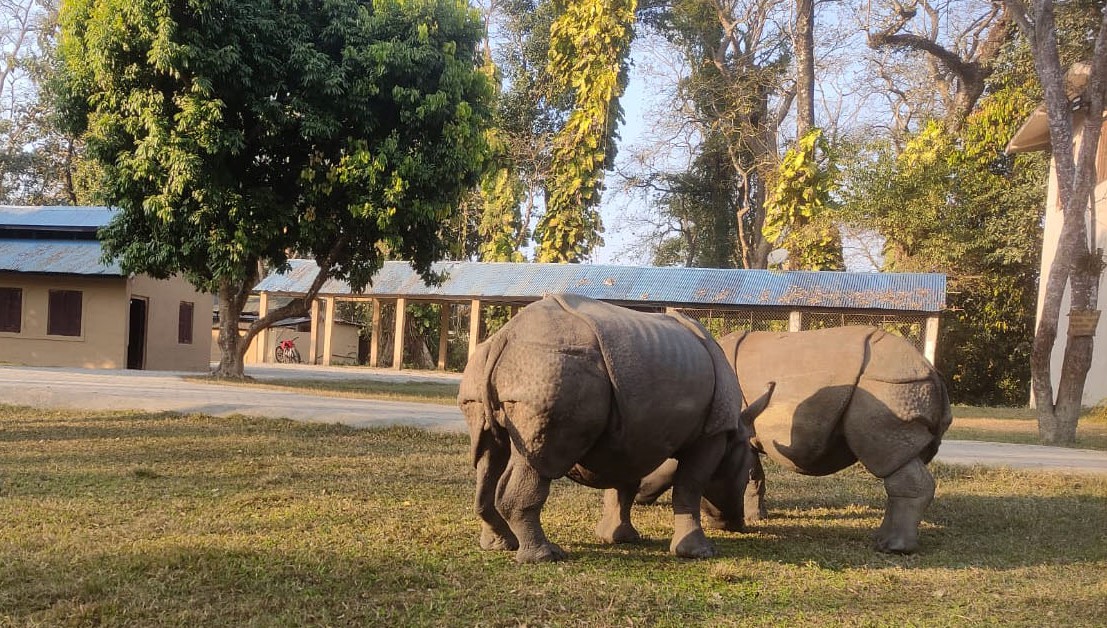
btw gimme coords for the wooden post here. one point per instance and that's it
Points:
(313, 343)
(443, 335)
(375, 338)
(398, 342)
(930, 338)
(328, 333)
(261, 346)
(795, 321)
(474, 327)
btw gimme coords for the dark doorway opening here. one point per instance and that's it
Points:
(136, 334)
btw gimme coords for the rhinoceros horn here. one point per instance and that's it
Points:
(758, 405)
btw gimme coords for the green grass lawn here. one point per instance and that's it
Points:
(158, 519)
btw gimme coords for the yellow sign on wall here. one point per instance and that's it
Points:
(1083, 322)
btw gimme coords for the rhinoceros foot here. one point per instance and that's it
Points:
(689, 541)
(717, 523)
(545, 553)
(491, 540)
(619, 533)
(896, 544)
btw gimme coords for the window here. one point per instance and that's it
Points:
(64, 316)
(11, 309)
(184, 323)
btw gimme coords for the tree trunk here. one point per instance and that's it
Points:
(1074, 265)
(805, 66)
(232, 344)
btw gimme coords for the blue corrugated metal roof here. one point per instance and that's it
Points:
(69, 257)
(918, 292)
(55, 216)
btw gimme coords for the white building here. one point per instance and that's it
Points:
(1034, 136)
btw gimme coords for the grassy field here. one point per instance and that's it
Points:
(1005, 425)
(158, 519)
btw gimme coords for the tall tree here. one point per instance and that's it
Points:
(530, 110)
(589, 50)
(233, 133)
(953, 203)
(732, 100)
(1078, 265)
(804, 37)
(38, 164)
(957, 41)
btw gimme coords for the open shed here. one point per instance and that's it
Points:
(724, 300)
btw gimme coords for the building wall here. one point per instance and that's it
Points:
(103, 339)
(164, 298)
(1095, 386)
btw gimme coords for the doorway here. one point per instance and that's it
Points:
(136, 334)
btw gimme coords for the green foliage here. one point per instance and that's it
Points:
(799, 210)
(589, 47)
(236, 132)
(956, 204)
(501, 192)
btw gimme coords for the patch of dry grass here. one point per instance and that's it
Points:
(1020, 425)
(165, 520)
(440, 393)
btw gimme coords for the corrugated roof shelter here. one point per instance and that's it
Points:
(58, 240)
(636, 285)
(724, 299)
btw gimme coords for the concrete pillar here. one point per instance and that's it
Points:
(443, 335)
(398, 343)
(313, 342)
(795, 321)
(930, 338)
(261, 341)
(328, 333)
(375, 337)
(474, 327)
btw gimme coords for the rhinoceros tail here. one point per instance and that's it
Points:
(481, 424)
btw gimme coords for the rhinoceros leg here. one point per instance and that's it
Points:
(520, 496)
(910, 490)
(615, 526)
(754, 497)
(495, 534)
(696, 464)
(656, 483)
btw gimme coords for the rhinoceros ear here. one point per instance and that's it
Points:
(758, 406)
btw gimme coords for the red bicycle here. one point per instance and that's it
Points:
(286, 352)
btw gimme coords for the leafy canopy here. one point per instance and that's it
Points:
(232, 132)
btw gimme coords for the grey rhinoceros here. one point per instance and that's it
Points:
(842, 395)
(602, 394)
